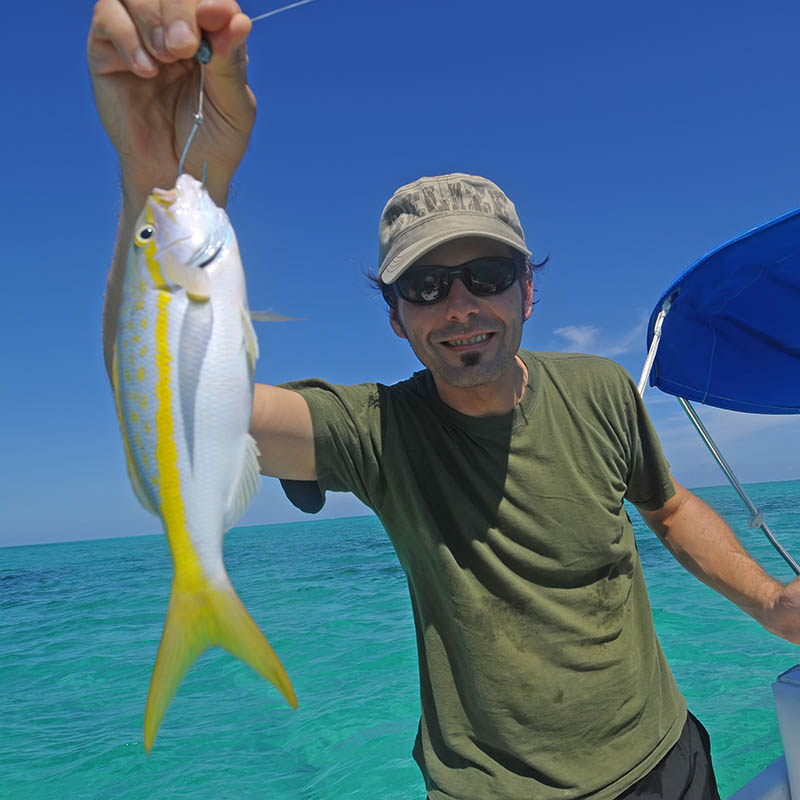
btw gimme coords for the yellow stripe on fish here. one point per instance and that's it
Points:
(187, 567)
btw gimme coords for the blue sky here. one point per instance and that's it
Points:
(633, 138)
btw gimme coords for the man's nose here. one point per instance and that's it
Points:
(461, 303)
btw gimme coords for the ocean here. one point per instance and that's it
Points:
(80, 624)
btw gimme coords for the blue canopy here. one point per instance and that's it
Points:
(732, 336)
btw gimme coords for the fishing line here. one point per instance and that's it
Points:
(279, 10)
(203, 56)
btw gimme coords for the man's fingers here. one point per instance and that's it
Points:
(146, 16)
(168, 27)
(226, 78)
(229, 48)
(171, 29)
(227, 29)
(180, 27)
(214, 15)
(115, 44)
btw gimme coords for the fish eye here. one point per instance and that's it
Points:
(144, 235)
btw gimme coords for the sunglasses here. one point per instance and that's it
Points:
(481, 276)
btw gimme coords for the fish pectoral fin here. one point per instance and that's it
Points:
(193, 279)
(198, 618)
(247, 483)
(250, 339)
(196, 330)
(272, 316)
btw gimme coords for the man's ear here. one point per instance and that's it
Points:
(397, 324)
(527, 298)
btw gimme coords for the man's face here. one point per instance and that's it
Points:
(465, 340)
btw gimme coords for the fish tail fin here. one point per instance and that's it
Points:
(198, 618)
(241, 637)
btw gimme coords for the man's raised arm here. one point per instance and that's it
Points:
(145, 82)
(704, 544)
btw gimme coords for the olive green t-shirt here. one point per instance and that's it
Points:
(540, 672)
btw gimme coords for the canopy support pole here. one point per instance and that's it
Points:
(756, 517)
(651, 355)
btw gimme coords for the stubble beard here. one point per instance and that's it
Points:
(476, 368)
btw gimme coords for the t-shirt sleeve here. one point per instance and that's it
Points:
(347, 437)
(649, 481)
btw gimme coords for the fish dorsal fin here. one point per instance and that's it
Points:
(247, 482)
(271, 316)
(250, 339)
(133, 472)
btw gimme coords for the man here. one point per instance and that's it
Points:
(499, 474)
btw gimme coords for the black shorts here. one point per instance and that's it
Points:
(685, 772)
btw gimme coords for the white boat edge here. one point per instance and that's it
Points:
(770, 784)
(775, 782)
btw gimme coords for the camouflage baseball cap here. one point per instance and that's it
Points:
(431, 211)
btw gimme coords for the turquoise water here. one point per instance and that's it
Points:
(80, 625)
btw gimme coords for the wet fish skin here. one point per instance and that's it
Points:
(182, 373)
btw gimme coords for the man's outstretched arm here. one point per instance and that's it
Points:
(704, 544)
(281, 425)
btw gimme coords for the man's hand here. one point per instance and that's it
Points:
(146, 86)
(700, 539)
(783, 618)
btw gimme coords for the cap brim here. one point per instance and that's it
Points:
(404, 255)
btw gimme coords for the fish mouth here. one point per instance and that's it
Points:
(164, 197)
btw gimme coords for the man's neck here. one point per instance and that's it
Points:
(492, 399)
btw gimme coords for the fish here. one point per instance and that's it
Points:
(182, 373)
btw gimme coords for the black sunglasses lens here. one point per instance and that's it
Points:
(481, 276)
(423, 285)
(489, 276)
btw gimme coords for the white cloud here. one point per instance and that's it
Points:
(587, 339)
(632, 340)
(580, 337)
